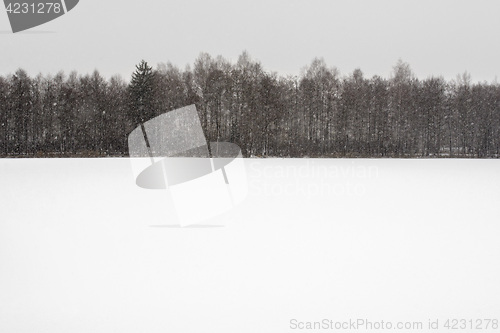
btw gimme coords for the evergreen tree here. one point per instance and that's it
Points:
(141, 93)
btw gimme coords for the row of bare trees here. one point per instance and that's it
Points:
(61, 116)
(319, 113)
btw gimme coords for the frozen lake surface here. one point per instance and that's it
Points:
(83, 249)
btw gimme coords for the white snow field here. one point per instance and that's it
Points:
(83, 249)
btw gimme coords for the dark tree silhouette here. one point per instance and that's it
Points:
(142, 93)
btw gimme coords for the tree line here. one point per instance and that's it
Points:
(317, 114)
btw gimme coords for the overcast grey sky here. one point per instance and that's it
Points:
(439, 37)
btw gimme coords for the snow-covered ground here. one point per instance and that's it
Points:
(83, 249)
